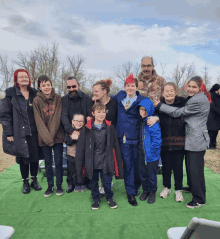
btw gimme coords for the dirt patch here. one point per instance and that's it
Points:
(212, 157)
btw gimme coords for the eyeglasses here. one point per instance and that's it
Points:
(71, 86)
(78, 121)
(21, 77)
(143, 109)
(146, 66)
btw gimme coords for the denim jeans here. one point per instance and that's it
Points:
(106, 180)
(58, 159)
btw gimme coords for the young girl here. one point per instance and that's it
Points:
(78, 122)
(47, 107)
(195, 114)
(95, 151)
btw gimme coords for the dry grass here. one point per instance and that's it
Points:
(6, 161)
(212, 157)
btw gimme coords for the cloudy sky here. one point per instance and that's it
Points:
(110, 32)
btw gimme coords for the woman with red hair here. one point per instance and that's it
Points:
(20, 136)
(195, 114)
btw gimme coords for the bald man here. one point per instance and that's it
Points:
(149, 83)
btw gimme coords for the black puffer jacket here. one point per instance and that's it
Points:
(85, 152)
(213, 122)
(172, 129)
(15, 121)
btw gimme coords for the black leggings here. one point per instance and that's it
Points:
(24, 168)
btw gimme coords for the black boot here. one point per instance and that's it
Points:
(144, 195)
(26, 186)
(34, 183)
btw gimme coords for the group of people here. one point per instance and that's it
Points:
(123, 135)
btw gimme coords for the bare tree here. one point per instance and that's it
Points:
(206, 77)
(76, 66)
(178, 74)
(163, 65)
(121, 72)
(6, 72)
(41, 61)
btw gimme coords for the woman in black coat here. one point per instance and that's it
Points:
(213, 123)
(20, 136)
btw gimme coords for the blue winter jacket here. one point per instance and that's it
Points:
(128, 121)
(150, 137)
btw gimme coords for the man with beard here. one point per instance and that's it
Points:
(149, 83)
(75, 102)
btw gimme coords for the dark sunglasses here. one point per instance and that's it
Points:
(71, 86)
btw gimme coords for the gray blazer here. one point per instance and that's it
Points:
(195, 114)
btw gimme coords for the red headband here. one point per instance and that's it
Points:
(130, 79)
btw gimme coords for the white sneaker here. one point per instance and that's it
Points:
(165, 192)
(179, 196)
(101, 190)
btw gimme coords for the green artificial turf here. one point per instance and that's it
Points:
(70, 216)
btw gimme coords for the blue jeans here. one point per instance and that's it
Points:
(58, 159)
(106, 180)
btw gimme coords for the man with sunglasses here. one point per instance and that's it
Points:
(75, 102)
(149, 83)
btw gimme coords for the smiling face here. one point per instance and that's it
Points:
(78, 121)
(130, 89)
(192, 88)
(147, 68)
(72, 86)
(98, 93)
(169, 93)
(46, 88)
(23, 79)
(99, 115)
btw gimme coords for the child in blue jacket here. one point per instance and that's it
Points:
(149, 151)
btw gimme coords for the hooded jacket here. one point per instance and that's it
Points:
(150, 137)
(47, 113)
(15, 121)
(85, 152)
(128, 122)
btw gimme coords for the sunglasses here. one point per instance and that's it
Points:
(71, 86)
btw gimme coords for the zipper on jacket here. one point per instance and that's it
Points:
(143, 137)
(27, 115)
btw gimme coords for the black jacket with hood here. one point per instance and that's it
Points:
(15, 121)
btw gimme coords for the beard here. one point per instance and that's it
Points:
(146, 74)
(74, 93)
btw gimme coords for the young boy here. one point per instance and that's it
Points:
(149, 151)
(78, 122)
(127, 128)
(95, 149)
(47, 112)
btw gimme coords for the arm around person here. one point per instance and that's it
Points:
(65, 116)
(192, 107)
